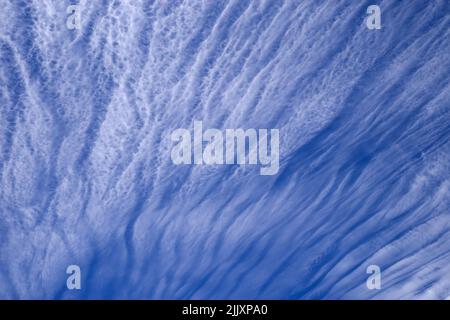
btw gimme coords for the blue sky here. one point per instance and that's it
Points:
(86, 176)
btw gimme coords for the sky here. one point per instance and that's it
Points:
(87, 110)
